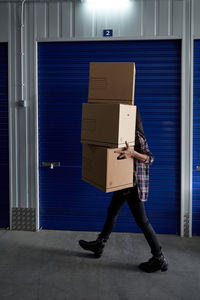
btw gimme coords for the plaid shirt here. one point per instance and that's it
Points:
(141, 174)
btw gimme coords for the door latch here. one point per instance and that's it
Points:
(51, 165)
(198, 168)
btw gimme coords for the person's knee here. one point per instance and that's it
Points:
(142, 223)
(111, 212)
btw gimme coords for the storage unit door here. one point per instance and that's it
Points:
(196, 142)
(4, 156)
(68, 203)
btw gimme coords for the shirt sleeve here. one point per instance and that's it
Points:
(149, 160)
(145, 150)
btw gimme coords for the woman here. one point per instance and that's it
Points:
(135, 197)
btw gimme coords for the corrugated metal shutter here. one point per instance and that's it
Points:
(4, 156)
(65, 201)
(196, 142)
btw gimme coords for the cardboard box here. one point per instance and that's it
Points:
(101, 168)
(112, 82)
(108, 125)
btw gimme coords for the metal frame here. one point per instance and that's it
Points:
(10, 127)
(109, 39)
(37, 140)
(186, 122)
(90, 40)
(191, 111)
(183, 112)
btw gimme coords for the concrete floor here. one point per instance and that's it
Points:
(51, 265)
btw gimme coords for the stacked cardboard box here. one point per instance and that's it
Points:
(108, 120)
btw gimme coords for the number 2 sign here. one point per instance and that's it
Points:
(107, 32)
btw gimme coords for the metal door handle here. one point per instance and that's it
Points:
(198, 168)
(51, 165)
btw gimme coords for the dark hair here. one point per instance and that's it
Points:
(139, 126)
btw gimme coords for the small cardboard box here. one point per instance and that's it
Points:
(112, 82)
(108, 125)
(102, 169)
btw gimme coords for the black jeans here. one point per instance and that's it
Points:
(138, 210)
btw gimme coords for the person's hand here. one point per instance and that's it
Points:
(127, 152)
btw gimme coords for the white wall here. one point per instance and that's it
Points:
(70, 20)
(143, 18)
(196, 19)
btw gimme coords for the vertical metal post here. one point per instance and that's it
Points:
(22, 100)
(186, 120)
(191, 112)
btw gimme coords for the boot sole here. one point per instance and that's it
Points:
(96, 254)
(162, 269)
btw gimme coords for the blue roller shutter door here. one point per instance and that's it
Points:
(4, 156)
(65, 201)
(196, 142)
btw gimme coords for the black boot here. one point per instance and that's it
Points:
(154, 264)
(94, 246)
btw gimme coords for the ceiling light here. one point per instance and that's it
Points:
(107, 4)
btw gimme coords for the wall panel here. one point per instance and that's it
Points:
(85, 22)
(106, 21)
(58, 19)
(149, 17)
(176, 17)
(130, 22)
(67, 20)
(196, 12)
(163, 17)
(54, 19)
(41, 12)
(4, 24)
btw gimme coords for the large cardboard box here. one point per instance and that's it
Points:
(112, 82)
(108, 124)
(102, 169)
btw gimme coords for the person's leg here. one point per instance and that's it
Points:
(117, 201)
(138, 210)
